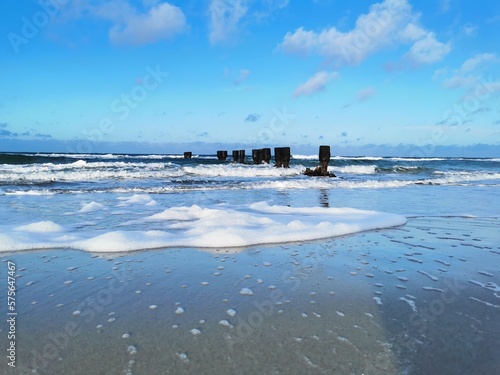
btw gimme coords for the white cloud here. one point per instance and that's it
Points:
(225, 16)
(428, 50)
(470, 29)
(445, 5)
(468, 73)
(228, 17)
(244, 74)
(315, 84)
(276, 4)
(387, 24)
(365, 94)
(459, 81)
(478, 61)
(413, 32)
(161, 22)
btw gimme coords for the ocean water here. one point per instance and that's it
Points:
(111, 202)
(155, 264)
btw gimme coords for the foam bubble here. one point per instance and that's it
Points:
(179, 311)
(40, 227)
(91, 207)
(195, 331)
(220, 226)
(246, 292)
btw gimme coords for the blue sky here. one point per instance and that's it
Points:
(97, 75)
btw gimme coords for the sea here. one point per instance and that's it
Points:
(156, 264)
(122, 202)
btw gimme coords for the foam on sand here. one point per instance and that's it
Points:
(40, 227)
(219, 226)
(91, 207)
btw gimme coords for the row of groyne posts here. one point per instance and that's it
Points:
(282, 157)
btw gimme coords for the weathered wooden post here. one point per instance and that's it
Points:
(236, 156)
(242, 156)
(266, 155)
(278, 157)
(324, 159)
(188, 155)
(286, 157)
(221, 155)
(257, 156)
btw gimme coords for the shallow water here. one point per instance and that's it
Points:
(423, 298)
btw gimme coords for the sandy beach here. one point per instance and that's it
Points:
(417, 299)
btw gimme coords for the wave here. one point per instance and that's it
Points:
(356, 169)
(417, 159)
(404, 169)
(229, 176)
(305, 157)
(242, 170)
(369, 158)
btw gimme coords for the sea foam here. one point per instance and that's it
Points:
(219, 226)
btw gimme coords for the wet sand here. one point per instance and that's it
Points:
(423, 298)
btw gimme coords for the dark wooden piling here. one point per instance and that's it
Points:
(222, 155)
(188, 155)
(282, 157)
(236, 156)
(286, 157)
(278, 157)
(257, 156)
(242, 156)
(266, 155)
(324, 158)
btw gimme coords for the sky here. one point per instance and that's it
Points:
(407, 77)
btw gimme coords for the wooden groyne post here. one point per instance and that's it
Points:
(266, 155)
(188, 155)
(236, 156)
(282, 157)
(286, 157)
(324, 159)
(278, 157)
(222, 155)
(257, 156)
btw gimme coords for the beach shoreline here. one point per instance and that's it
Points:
(421, 298)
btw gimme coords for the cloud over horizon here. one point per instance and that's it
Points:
(468, 74)
(387, 24)
(315, 84)
(365, 94)
(253, 117)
